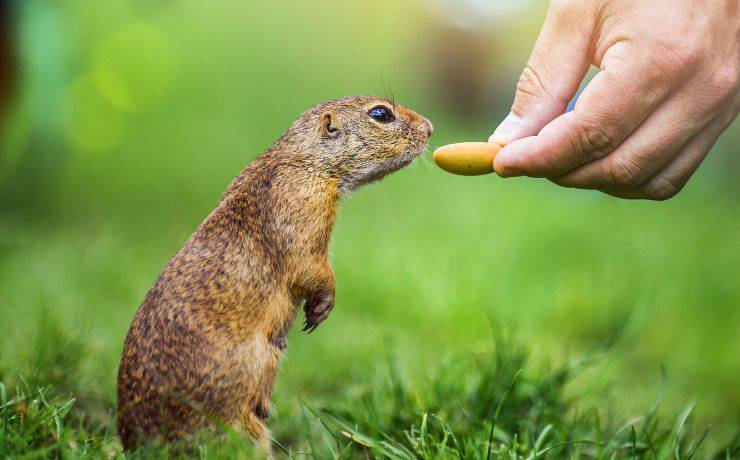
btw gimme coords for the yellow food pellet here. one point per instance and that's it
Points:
(467, 158)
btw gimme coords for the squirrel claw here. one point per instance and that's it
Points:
(317, 310)
(309, 327)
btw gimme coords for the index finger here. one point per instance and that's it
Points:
(616, 101)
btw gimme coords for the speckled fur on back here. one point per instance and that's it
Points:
(206, 341)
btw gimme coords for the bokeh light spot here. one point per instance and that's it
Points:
(90, 122)
(135, 67)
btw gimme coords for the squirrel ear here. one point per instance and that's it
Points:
(328, 124)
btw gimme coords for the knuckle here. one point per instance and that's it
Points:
(661, 189)
(530, 83)
(564, 12)
(535, 85)
(562, 5)
(678, 55)
(594, 141)
(626, 173)
(725, 82)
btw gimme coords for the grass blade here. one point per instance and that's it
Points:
(696, 445)
(498, 411)
(566, 443)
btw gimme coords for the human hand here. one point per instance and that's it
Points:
(668, 87)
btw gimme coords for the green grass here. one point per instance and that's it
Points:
(493, 403)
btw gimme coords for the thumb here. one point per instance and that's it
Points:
(555, 69)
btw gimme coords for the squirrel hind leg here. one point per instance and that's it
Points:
(257, 430)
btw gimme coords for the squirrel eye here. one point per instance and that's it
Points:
(381, 114)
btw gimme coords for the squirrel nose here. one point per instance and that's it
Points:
(428, 124)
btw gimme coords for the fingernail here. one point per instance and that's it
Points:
(506, 163)
(508, 172)
(507, 131)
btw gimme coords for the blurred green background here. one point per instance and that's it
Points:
(129, 118)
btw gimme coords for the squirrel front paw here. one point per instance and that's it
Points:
(317, 309)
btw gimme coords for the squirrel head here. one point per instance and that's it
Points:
(357, 139)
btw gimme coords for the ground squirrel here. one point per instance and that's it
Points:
(207, 339)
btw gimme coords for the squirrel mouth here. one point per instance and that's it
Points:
(399, 162)
(403, 160)
(377, 171)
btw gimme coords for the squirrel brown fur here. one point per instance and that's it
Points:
(206, 341)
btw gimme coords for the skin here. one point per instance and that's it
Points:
(668, 86)
(207, 340)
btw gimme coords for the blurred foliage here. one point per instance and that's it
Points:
(131, 117)
(493, 404)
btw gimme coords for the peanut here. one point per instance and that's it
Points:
(467, 158)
